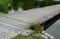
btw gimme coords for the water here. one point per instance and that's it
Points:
(54, 30)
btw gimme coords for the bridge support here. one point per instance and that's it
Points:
(50, 21)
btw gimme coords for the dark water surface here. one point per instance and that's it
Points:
(54, 29)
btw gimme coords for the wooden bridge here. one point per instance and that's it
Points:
(21, 21)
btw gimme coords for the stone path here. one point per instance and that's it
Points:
(7, 32)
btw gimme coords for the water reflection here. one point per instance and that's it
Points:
(54, 29)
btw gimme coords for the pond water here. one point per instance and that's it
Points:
(54, 29)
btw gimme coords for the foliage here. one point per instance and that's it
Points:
(25, 4)
(47, 2)
(4, 5)
(37, 31)
(7, 5)
(36, 27)
(5, 2)
(32, 25)
(44, 3)
(20, 37)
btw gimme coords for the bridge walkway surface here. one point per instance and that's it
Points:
(21, 21)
